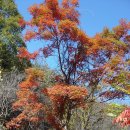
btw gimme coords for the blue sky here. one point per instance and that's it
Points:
(95, 15)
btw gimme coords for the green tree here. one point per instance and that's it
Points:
(10, 36)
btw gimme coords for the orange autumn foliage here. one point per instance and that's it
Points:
(62, 95)
(23, 53)
(124, 118)
(28, 101)
(29, 35)
(21, 22)
(32, 75)
(63, 98)
(81, 59)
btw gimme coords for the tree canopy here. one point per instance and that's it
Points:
(10, 36)
(92, 69)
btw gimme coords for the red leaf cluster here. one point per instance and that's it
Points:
(28, 101)
(63, 99)
(124, 118)
(23, 53)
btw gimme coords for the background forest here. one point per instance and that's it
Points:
(89, 88)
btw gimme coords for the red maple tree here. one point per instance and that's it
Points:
(83, 60)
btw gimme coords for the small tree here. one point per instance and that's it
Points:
(63, 99)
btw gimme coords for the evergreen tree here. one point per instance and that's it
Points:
(10, 36)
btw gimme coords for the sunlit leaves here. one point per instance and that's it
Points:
(21, 22)
(23, 53)
(74, 2)
(67, 3)
(63, 91)
(83, 60)
(46, 35)
(124, 118)
(30, 35)
(64, 98)
(28, 100)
